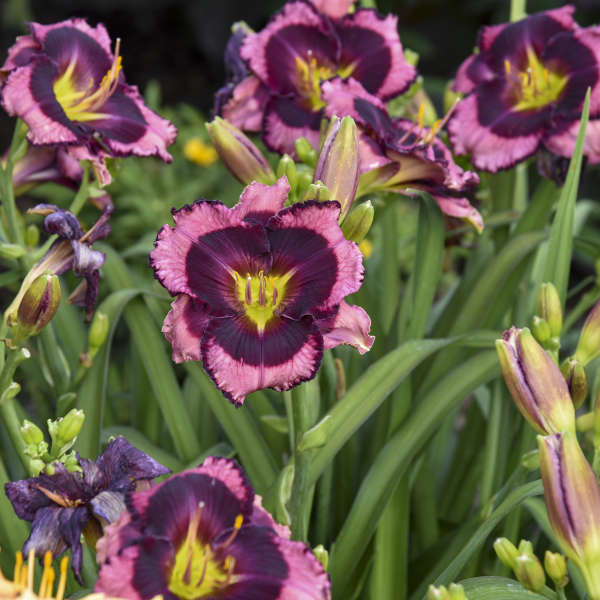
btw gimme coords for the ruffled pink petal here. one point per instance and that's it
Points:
(20, 53)
(116, 577)
(489, 152)
(351, 325)
(228, 471)
(245, 108)
(473, 71)
(306, 579)
(340, 95)
(241, 361)
(45, 118)
(371, 154)
(460, 208)
(98, 159)
(292, 247)
(259, 202)
(370, 42)
(262, 518)
(335, 9)
(563, 143)
(98, 33)
(184, 327)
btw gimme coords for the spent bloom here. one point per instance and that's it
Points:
(535, 382)
(63, 505)
(260, 288)
(524, 91)
(573, 503)
(304, 45)
(67, 85)
(203, 534)
(400, 155)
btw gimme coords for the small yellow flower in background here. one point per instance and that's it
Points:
(199, 152)
(366, 248)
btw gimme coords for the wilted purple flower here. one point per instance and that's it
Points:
(573, 503)
(73, 250)
(64, 81)
(400, 155)
(203, 534)
(61, 506)
(299, 49)
(260, 288)
(535, 382)
(525, 89)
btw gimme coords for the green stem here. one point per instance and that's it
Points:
(83, 191)
(14, 528)
(517, 10)
(7, 194)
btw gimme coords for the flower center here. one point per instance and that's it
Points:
(83, 104)
(199, 571)
(309, 74)
(535, 86)
(261, 295)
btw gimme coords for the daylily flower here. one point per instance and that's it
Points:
(260, 288)
(525, 89)
(573, 503)
(535, 382)
(66, 504)
(204, 534)
(299, 49)
(66, 84)
(399, 155)
(72, 250)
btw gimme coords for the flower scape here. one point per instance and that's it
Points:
(340, 342)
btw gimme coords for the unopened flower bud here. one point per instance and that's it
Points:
(287, 167)
(39, 304)
(316, 191)
(32, 235)
(576, 379)
(241, 157)
(31, 433)
(556, 567)
(338, 163)
(531, 460)
(457, 591)
(529, 571)
(357, 224)
(98, 332)
(550, 308)
(525, 548)
(506, 551)
(588, 347)
(65, 430)
(306, 153)
(573, 503)
(535, 382)
(437, 593)
(540, 329)
(322, 555)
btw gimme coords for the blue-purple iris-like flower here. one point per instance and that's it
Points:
(303, 45)
(525, 89)
(67, 85)
(260, 288)
(61, 506)
(400, 155)
(204, 534)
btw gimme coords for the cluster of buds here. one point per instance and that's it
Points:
(63, 435)
(330, 174)
(454, 591)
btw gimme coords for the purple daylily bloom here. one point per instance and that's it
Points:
(525, 90)
(64, 81)
(204, 534)
(260, 288)
(61, 506)
(299, 49)
(400, 155)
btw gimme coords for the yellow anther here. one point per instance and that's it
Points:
(238, 521)
(507, 66)
(421, 115)
(18, 566)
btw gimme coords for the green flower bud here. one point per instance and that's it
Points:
(32, 235)
(550, 308)
(316, 191)
(588, 347)
(39, 304)
(526, 548)
(531, 460)
(64, 431)
(556, 567)
(322, 555)
(357, 224)
(337, 166)
(540, 329)
(457, 591)
(306, 153)
(438, 593)
(529, 571)
(287, 167)
(506, 552)
(576, 379)
(36, 466)
(241, 157)
(31, 433)
(98, 332)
